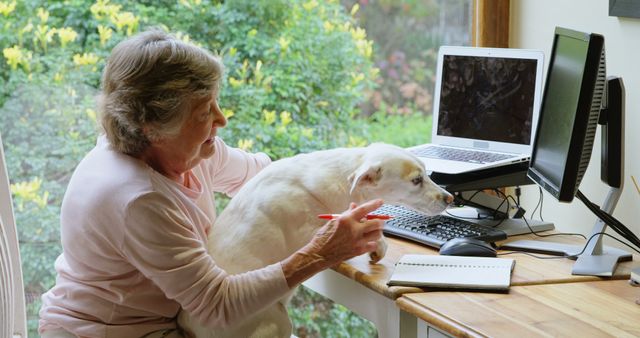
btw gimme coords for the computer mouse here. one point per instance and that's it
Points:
(467, 247)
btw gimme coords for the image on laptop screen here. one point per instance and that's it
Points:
(487, 98)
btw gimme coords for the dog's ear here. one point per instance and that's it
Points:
(367, 173)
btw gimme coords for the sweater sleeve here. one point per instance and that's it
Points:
(160, 241)
(231, 167)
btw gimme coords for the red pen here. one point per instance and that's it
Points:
(369, 216)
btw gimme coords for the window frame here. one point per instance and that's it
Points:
(490, 25)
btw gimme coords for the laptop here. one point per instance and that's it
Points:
(486, 108)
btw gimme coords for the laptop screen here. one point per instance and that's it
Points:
(487, 98)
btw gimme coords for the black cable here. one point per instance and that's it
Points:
(495, 211)
(539, 204)
(570, 256)
(545, 235)
(613, 222)
(609, 220)
(505, 199)
(461, 202)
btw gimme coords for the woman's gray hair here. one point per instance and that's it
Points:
(147, 85)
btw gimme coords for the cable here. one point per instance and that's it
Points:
(505, 199)
(545, 235)
(570, 256)
(539, 204)
(461, 202)
(495, 211)
(609, 220)
(520, 212)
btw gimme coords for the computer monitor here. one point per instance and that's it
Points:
(569, 113)
(577, 96)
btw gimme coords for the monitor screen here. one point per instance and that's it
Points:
(569, 113)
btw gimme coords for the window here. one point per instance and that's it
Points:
(52, 57)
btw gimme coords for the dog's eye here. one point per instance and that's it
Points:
(417, 180)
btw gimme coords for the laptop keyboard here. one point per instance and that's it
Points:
(462, 155)
(433, 231)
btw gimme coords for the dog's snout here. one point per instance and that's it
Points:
(447, 198)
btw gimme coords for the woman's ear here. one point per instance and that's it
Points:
(152, 135)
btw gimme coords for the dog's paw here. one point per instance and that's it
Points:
(381, 250)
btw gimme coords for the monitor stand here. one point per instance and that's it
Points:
(596, 260)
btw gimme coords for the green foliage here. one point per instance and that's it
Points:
(304, 61)
(401, 130)
(405, 52)
(46, 130)
(315, 316)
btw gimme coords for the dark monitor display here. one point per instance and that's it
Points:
(569, 112)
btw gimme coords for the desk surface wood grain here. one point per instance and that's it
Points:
(589, 309)
(528, 270)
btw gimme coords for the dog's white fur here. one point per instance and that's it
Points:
(275, 214)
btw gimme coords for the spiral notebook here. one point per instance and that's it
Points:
(458, 272)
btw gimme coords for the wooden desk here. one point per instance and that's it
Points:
(362, 287)
(588, 309)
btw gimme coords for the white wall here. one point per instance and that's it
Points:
(532, 26)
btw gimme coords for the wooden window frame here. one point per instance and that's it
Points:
(490, 24)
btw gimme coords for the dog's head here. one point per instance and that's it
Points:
(395, 175)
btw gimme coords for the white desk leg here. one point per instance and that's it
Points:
(380, 310)
(412, 327)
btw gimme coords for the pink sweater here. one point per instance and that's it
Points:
(134, 248)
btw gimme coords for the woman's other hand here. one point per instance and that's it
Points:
(350, 235)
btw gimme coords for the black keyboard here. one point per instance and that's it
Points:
(461, 155)
(433, 230)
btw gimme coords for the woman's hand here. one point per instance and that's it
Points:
(348, 236)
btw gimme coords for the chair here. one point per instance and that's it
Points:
(13, 318)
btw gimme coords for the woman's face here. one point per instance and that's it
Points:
(176, 155)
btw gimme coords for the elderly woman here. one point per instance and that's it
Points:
(137, 210)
